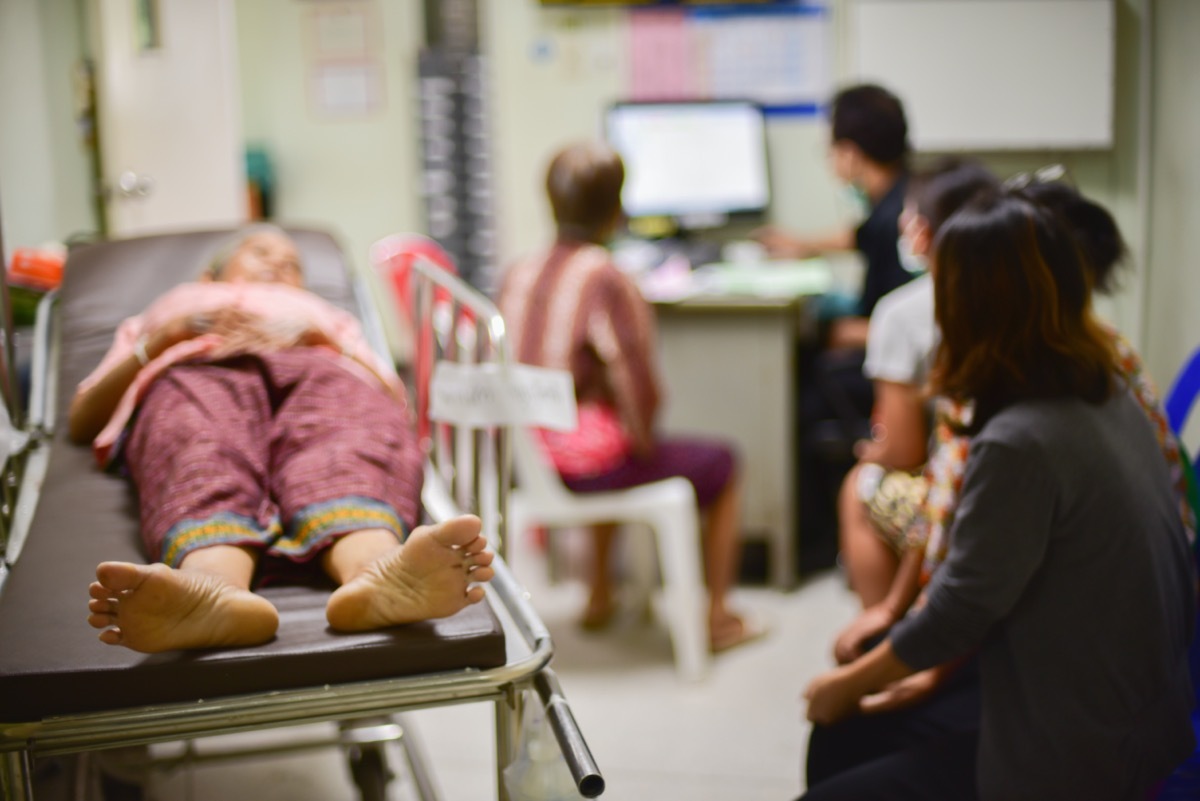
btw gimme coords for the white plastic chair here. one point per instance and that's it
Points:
(667, 507)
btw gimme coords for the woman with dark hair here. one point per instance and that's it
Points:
(1085, 688)
(570, 308)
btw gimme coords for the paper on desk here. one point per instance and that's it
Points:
(669, 281)
(769, 279)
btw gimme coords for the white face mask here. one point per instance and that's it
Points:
(857, 199)
(910, 260)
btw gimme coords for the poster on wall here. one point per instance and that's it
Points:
(345, 76)
(777, 54)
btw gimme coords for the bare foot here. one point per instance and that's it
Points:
(429, 576)
(728, 630)
(153, 608)
(600, 611)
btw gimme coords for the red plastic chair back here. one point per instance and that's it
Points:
(393, 258)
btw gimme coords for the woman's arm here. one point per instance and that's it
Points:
(782, 245)
(838, 693)
(94, 404)
(876, 620)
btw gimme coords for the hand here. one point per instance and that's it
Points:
(179, 329)
(831, 697)
(780, 244)
(316, 337)
(242, 332)
(871, 622)
(906, 692)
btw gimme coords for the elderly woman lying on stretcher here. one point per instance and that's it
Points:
(262, 434)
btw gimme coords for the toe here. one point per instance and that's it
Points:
(459, 532)
(102, 606)
(99, 591)
(120, 576)
(111, 636)
(100, 620)
(478, 545)
(481, 574)
(475, 595)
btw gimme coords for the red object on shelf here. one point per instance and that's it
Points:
(36, 269)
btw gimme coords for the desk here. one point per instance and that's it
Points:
(729, 366)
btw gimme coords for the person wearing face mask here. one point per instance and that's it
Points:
(570, 308)
(883, 490)
(869, 152)
(265, 438)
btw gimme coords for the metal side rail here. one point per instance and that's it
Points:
(40, 423)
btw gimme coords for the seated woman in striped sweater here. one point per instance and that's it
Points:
(570, 308)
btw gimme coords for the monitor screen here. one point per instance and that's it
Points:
(691, 159)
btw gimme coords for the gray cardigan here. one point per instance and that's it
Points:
(1070, 571)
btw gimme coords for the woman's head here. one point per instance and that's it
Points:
(1095, 231)
(933, 195)
(1012, 300)
(584, 185)
(260, 254)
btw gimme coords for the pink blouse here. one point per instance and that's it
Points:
(268, 301)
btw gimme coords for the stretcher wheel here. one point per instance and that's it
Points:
(370, 772)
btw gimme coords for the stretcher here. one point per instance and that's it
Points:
(62, 692)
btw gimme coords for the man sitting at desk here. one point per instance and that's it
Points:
(869, 153)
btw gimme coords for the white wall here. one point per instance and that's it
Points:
(44, 184)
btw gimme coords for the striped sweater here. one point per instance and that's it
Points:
(570, 308)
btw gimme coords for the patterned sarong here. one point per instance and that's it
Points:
(283, 451)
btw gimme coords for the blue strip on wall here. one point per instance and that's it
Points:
(795, 110)
(790, 9)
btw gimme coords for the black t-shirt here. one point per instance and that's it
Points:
(876, 240)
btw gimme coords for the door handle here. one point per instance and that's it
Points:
(132, 185)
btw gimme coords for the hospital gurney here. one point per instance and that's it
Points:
(63, 692)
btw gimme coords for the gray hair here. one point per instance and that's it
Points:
(229, 245)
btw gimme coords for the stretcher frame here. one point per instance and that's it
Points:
(466, 470)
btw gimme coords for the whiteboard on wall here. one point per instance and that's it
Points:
(992, 74)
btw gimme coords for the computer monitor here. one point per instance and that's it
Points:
(700, 163)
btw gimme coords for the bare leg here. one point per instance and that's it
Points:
(870, 564)
(600, 607)
(721, 557)
(384, 583)
(204, 603)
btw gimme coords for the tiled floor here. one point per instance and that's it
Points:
(738, 736)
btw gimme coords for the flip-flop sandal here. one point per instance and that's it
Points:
(749, 631)
(598, 619)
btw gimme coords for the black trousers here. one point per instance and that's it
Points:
(925, 753)
(834, 409)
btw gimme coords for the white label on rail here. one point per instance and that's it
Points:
(477, 395)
